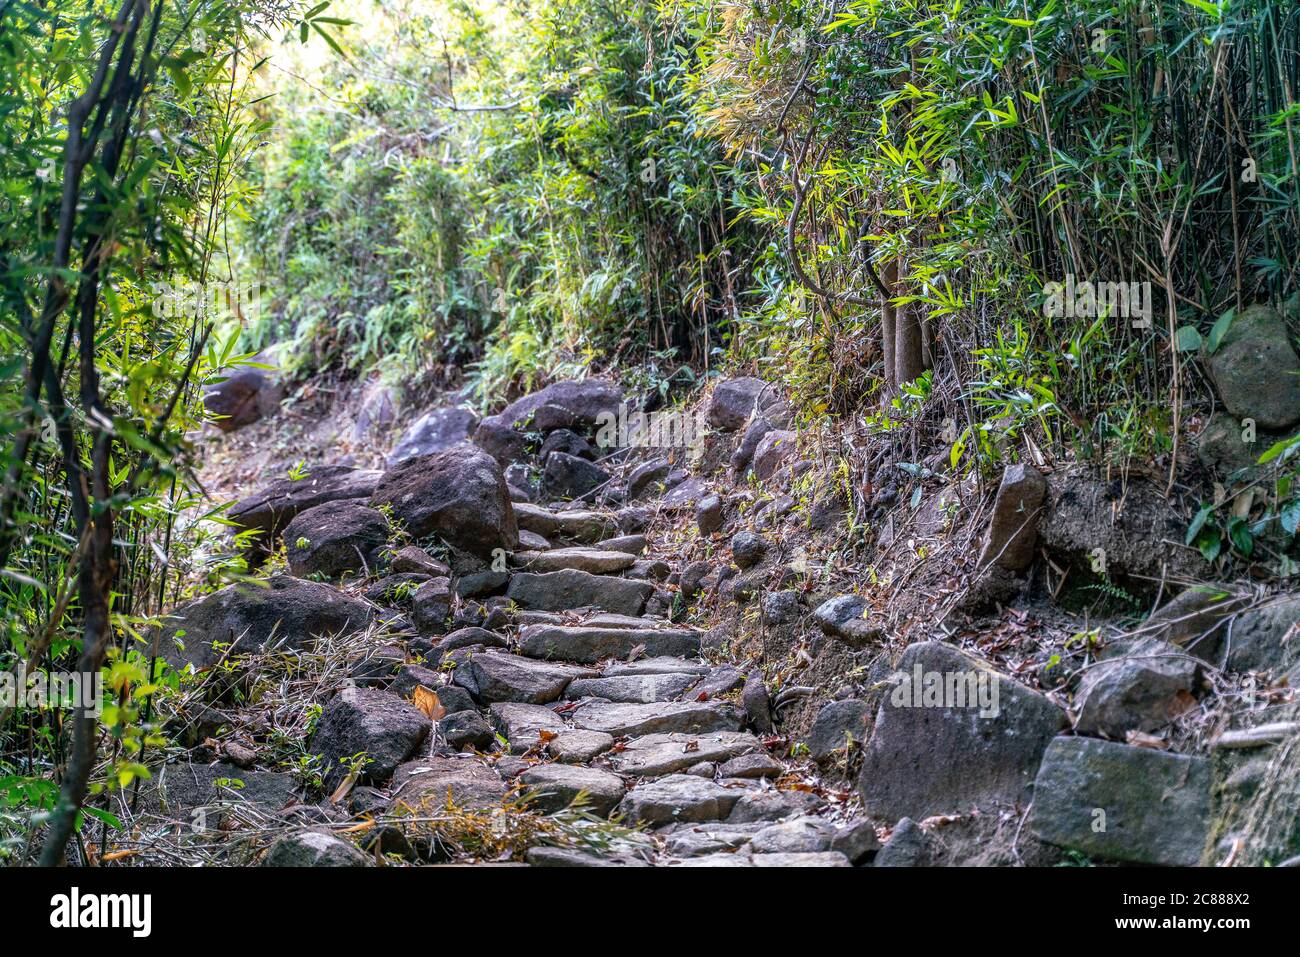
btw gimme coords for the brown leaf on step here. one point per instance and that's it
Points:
(939, 820)
(1140, 739)
(427, 701)
(702, 696)
(636, 652)
(692, 745)
(238, 755)
(543, 736)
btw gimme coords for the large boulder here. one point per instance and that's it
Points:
(459, 495)
(383, 726)
(434, 432)
(275, 506)
(499, 439)
(290, 612)
(953, 734)
(571, 404)
(567, 476)
(1256, 370)
(1122, 803)
(241, 396)
(734, 401)
(337, 537)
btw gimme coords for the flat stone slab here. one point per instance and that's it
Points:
(689, 717)
(597, 561)
(588, 645)
(429, 783)
(568, 589)
(521, 724)
(657, 754)
(678, 797)
(496, 676)
(578, 525)
(575, 746)
(558, 785)
(639, 689)
(697, 840)
(662, 665)
(953, 734)
(800, 835)
(1122, 803)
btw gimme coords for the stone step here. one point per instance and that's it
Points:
(521, 724)
(570, 589)
(595, 561)
(556, 786)
(663, 665)
(580, 526)
(635, 689)
(657, 754)
(631, 544)
(676, 798)
(493, 676)
(688, 717)
(588, 645)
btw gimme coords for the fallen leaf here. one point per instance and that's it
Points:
(427, 701)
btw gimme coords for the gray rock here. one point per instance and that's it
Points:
(772, 451)
(685, 495)
(556, 786)
(569, 404)
(656, 666)
(578, 525)
(498, 439)
(430, 783)
(1259, 639)
(287, 612)
(561, 591)
(431, 606)
(772, 805)
(743, 456)
(908, 846)
(756, 764)
(578, 747)
(412, 558)
(379, 666)
(638, 689)
(336, 537)
(627, 544)
(697, 840)
(647, 477)
(708, 515)
(677, 797)
(481, 584)
(735, 400)
(388, 729)
(1122, 803)
(313, 849)
(465, 729)
(717, 682)
(493, 676)
(591, 644)
(840, 727)
(757, 703)
(659, 718)
(241, 396)
(927, 759)
(1013, 531)
(268, 511)
(434, 432)
(458, 495)
(1256, 369)
(178, 789)
(800, 835)
(395, 590)
(782, 607)
(857, 841)
(1196, 619)
(656, 754)
(821, 859)
(567, 476)
(595, 561)
(521, 724)
(531, 541)
(1227, 447)
(1141, 690)
(847, 617)
(748, 549)
(568, 442)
